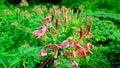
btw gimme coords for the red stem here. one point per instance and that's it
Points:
(80, 33)
(56, 24)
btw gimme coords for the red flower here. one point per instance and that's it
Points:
(88, 50)
(43, 28)
(72, 44)
(48, 46)
(67, 53)
(82, 52)
(64, 44)
(56, 48)
(48, 18)
(74, 54)
(74, 64)
(37, 33)
(43, 53)
(89, 46)
(41, 32)
(78, 46)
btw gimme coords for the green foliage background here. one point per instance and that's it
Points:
(105, 28)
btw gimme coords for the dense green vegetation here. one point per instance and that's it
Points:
(19, 48)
